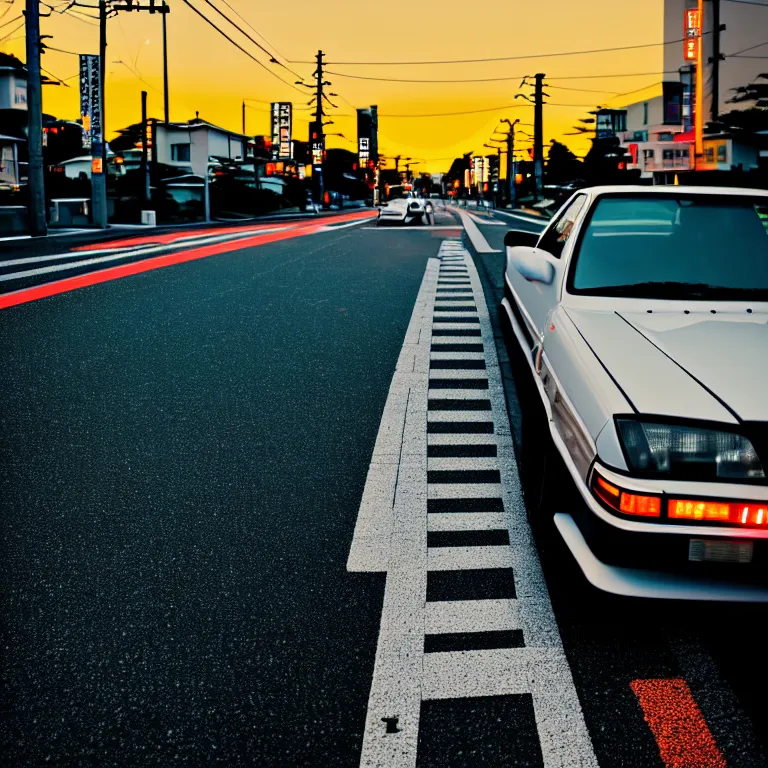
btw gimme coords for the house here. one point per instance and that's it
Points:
(191, 146)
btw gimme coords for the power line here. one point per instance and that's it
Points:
(10, 21)
(583, 90)
(255, 42)
(500, 58)
(744, 50)
(256, 31)
(238, 46)
(496, 79)
(15, 29)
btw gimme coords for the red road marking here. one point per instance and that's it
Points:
(158, 262)
(677, 724)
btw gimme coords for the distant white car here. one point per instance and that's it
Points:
(642, 315)
(403, 206)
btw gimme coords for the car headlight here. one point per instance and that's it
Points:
(688, 452)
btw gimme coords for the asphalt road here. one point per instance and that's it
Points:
(184, 449)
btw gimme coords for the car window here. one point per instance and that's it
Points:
(554, 239)
(675, 246)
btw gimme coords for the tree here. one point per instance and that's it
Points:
(562, 164)
(754, 91)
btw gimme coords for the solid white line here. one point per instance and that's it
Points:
(479, 243)
(529, 219)
(485, 222)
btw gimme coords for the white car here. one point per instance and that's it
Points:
(403, 207)
(642, 313)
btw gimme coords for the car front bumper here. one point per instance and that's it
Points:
(646, 559)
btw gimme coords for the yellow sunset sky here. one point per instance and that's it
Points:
(210, 75)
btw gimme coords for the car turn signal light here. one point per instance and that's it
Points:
(718, 512)
(634, 504)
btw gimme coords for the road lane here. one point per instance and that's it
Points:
(611, 642)
(184, 453)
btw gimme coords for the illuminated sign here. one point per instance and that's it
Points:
(97, 166)
(90, 100)
(282, 118)
(691, 34)
(317, 153)
(363, 151)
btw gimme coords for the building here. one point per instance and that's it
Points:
(743, 39)
(13, 83)
(194, 145)
(659, 132)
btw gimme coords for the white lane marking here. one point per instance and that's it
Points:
(129, 250)
(442, 417)
(522, 217)
(464, 491)
(463, 558)
(395, 503)
(419, 228)
(334, 227)
(462, 462)
(458, 394)
(121, 255)
(472, 615)
(466, 521)
(371, 540)
(479, 243)
(485, 222)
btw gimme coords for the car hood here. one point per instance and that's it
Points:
(698, 366)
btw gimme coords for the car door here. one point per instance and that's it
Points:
(536, 274)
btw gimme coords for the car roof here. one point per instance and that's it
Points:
(673, 189)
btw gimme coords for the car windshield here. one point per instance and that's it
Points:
(675, 246)
(399, 193)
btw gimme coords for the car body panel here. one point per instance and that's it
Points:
(727, 353)
(653, 382)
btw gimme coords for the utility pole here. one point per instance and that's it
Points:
(243, 119)
(144, 149)
(99, 145)
(37, 219)
(716, 58)
(319, 141)
(166, 106)
(538, 136)
(511, 164)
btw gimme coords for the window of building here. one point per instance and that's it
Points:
(666, 136)
(649, 156)
(721, 158)
(180, 153)
(645, 113)
(709, 154)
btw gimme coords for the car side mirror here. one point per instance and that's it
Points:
(518, 237)
(532, 265)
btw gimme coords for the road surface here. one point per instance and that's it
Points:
(260, 507)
